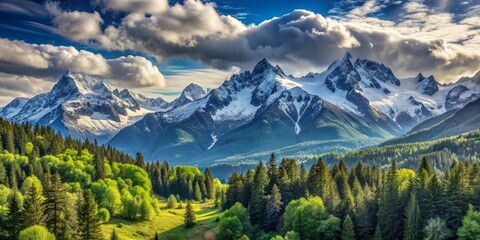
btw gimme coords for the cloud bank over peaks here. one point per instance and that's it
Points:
(24, 63)
(422, 40)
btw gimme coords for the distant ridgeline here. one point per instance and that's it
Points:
(442, 153)
(47, 180)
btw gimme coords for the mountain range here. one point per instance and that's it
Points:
(354, 103)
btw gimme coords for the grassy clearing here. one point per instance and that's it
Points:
(168, 224)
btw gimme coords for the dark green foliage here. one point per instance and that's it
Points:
(89, 224)
(55, 206)
(274, 208)
(258, 201)
(412, 222)
(115, 235)
(34, 209)
(13, 223)
(348, 233)
(391, 214)
(190, 218)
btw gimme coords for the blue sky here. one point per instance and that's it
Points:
(156, 46)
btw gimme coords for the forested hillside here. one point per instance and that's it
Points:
(441, 153)
(364, 202)
(65, 189)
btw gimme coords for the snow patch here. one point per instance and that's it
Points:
(214, 140)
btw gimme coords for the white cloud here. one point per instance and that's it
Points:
(48, 62)
(141, 6)
(78, 26)
(139, 69)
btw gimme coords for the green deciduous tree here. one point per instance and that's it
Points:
(320, 224)
(230, 229)
(36, 233)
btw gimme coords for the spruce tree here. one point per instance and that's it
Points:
(274, 208)
(390, 214)
(55, 206)
(13, 223)
(378, 233)
(348, 232)
(198, 193)
(34, 209)
(208, 184)
(115, 235)
(139, 161)
(99, 166)
(272, 172)
(412, 222)
(156, 236)
(257, 203)
(189, 219)
(3, 174)
(89, 224)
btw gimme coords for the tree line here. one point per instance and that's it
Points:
(362, 202)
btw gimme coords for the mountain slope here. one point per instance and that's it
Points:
(86, 108)
(451, 123)
(257, 111)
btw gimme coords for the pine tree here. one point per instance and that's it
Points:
(3, 174)
(34, 209)
(378, 233)
(257, 203)
(139, 161)
(156, 236)
(13, 223)
(198, 193)
(274, 208)
(55, 206)
(412, 223)
(208, 184)
(89, 224)
(390, 214)
(99, 166)
(272, 172)
(115, 235)
(189, 215)
(348, 232)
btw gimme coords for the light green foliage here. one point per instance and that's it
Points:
(244, 237)
(292, 235)
(137, 175)
(278, 237)
(108, 196)
(5, 193)
(36, 233)
(29, 181)
(171, 201)
(103, 215)
(230, 229)
(241, 213)
(470, 228)
(436, 229)
(309, 218)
